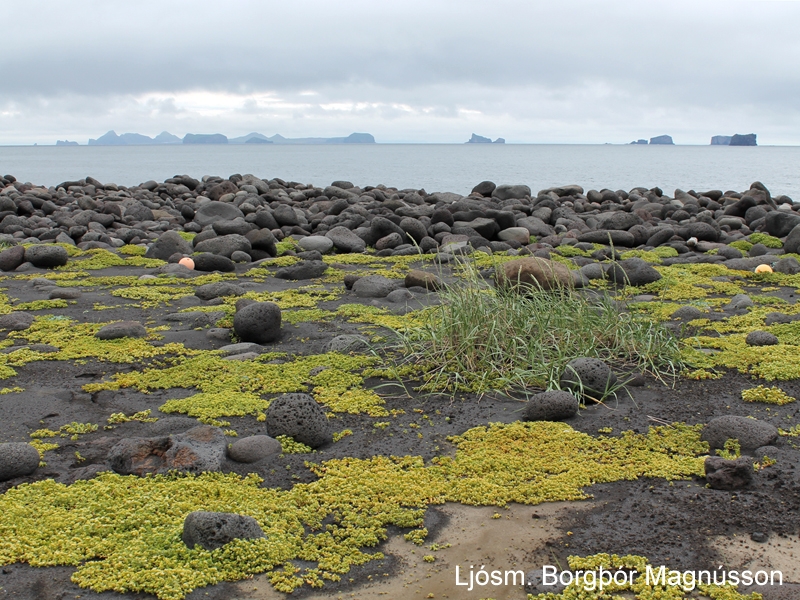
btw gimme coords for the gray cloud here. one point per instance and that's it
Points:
(583, 71)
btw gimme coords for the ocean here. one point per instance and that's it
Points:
(434, 167)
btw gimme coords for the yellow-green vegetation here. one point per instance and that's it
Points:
(655, 256)
(742, 245)
(290, 446)
(669, 587)
(100, 258)
(766, 239)
(141, 416)
(76, 341)
(124, 533)
(235, 388)
(132, 250)
(338, 435)
(68, 430)
(769, 395)
(731, 451)
(43, 304)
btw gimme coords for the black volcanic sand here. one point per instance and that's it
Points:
(671, 524)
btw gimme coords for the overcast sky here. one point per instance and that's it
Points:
(530, 71)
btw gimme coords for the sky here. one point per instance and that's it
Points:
(432, 71)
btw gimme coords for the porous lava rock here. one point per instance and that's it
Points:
(197, 450)
(212, 530)
(121, 329)
(751, 433)
(301, 418)
(46, 256)
(17, 459)
(553, 405)
(254, 448)
(724, 474)
(590, 377)
(259, 322)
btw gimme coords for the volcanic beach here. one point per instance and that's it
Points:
(262, 354)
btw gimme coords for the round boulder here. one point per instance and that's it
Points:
(633, 271)
(254, 448)
(16, 321)
(552, 405)
(301, 418)
(11, 258)
(590, 377)
(374, 286)
(212, 530)
(761, 338)
(168, 244)
(212, 212)
(207, 261)
(320, 243)
(121, 329)
(17, 459)
(534, 272)
(347, 343)
(259, 322)
(751, 433)
(46, 256)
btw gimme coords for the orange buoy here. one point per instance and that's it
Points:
(189, 263)
(763, 269)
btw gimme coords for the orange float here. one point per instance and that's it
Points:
(763, 269)
(189, 263)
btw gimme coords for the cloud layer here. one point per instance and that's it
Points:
(411, 71)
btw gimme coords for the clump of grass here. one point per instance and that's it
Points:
(481, 338)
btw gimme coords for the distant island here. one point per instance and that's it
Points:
(479, 139)
(664, 140)
(739, 139)
(65, 143)
(137, 139)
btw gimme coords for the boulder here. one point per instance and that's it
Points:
(212, 530)
(301, 418)
(207, 262)
(751, 433)
(11, 258)
(374, 286)
(235, 226)
(509, 192)
(552, 405)
(320, 243)
(218, 289)
(212, 212)
(780, 223)
(16, 321)
(484, 188)
(46, 256)
(590, 377)
(197, 450)
(259, 322)
(224, 245)
(347, 343)
(121, 329)
(632, 271)
(168, 244)
(345, 240)
(417, 278)
(761, 338)
(17, 459)
(254, 448)
(534, 272)
(515, 234)
(606, 236)
(262, 239)
(413, 229)
(723, 474)
(308, 269)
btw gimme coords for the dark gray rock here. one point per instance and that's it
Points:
(259, 322)
(553, 405)
(602, 236)
(484, 188)
(791, 245)
(308, 269)
(413, 229)
(374, 286)
(508, 192)
(218, 289)
(761, 338)
(46, 256)
(687, 313)
(64, 294)
(618, 219)
(633, 271)
(347, 343)
(590, 377)
(399, 295)
(262, 239)
(345, 240)
(207, 262)
(387, 242)
(702, 231)
(11, 258)
(729, 252)
(121, 329)
(17, 459)
(168, 244)
(285, 215)
(241, 257)
(197, 450)
(739, 301)
(780, 223)
(254, 448)
(236, 226)
(788, 266)
(16, 321)
(319, 243)
(723, 474)
(751, 433)
(212, 530)
(224, 245)
(301, 418)
(212, 212)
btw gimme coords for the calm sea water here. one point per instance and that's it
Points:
(434, 167)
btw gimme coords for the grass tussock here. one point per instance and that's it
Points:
(481, 338)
